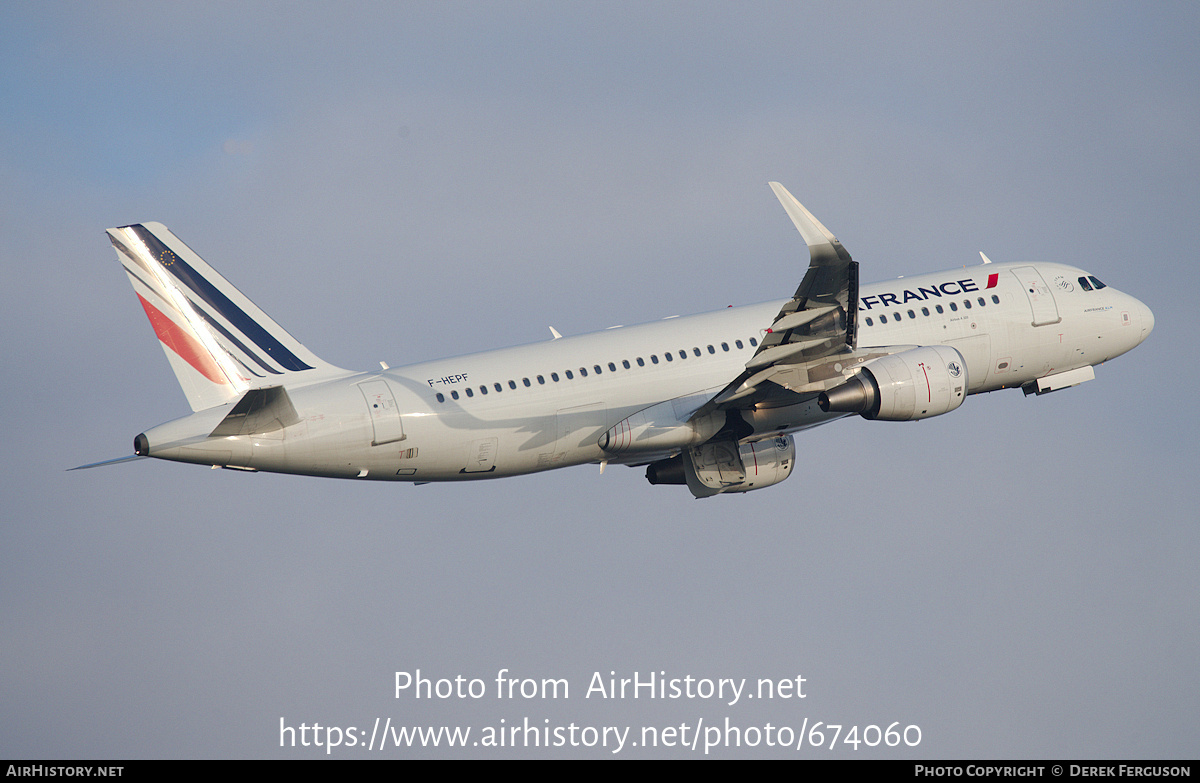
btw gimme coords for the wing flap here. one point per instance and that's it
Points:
(801, 317)
(782, 352)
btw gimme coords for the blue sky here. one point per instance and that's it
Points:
(400, 182)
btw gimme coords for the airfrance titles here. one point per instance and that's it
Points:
(950, 288)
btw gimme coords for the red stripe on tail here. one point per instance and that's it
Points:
(183, 343)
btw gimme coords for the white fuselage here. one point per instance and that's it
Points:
(535, 407)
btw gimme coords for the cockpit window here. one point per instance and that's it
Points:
(1096, 282)
(1084, 284)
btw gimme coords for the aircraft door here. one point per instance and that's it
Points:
(384, 412)
(1041, 298)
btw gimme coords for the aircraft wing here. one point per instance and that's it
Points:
(817, 325)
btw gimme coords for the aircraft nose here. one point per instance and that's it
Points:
(1147, 320)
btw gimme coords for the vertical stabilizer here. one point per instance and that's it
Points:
(219, 343)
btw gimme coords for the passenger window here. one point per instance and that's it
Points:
(498, 387)
(924, 311)
(641, 362)
(896, 316)
(513, 384)
(883, 319)
(711, 349)
(967, 303)
(597, 369)
(483, 390)
(454, 395)
(869, 321)
(683, 354)
(911, 314)
(625, 363)
(738, 343)
(440, 397)
(696, 351)
(526, 382)
(939, 309)
(995, 299)
(612, 367)
(668, 356)
(554, 377)
(653, 358)
(753, 341)
(470, 392)
(582, 372)
(725, 347)
(541, 380)
(982, 302)
(953, 307)
(570, 375)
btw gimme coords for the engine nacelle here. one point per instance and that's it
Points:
(905, 386)
(662, 427)
(727, 466)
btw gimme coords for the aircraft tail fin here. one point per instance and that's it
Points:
(219, 343)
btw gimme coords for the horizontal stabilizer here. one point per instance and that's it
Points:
(107, 462)
(259, 410)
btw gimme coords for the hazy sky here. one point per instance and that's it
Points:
(402, 181)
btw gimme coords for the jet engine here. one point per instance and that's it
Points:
(905, 386)
(662, 427)
(725, 465)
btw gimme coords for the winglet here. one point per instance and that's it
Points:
(817, 324)
(822, 245)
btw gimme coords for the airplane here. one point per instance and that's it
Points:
(708, 401)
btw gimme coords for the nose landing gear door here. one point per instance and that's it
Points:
(385, 414)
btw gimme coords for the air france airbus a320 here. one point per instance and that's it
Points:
(709, 401)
